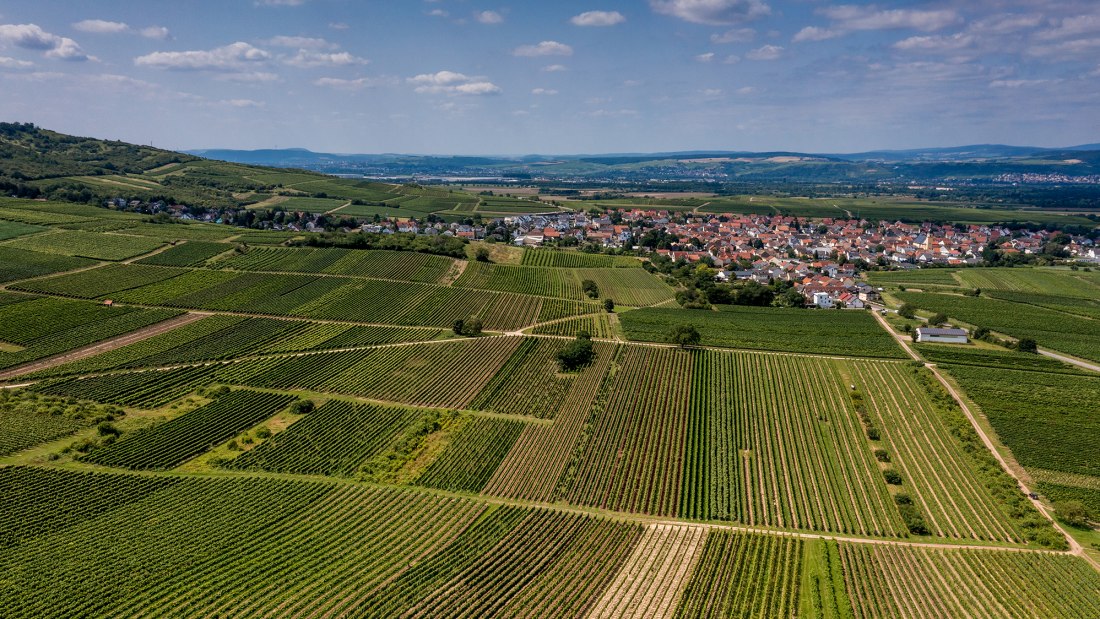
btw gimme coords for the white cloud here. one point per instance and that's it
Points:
(712, 12)
(241, 103)
(737, 35)
(338, 25)
(343, 84)
(554, 68)
(155, 32)
(248, 77)
(1078, 48)
(230, 57)
(949, 43)
(746, 90)
(99, 26)
(765, 52)
(1019, 83)
(544, 91)
(452, 83)
(711, 92)
(280, 2)
(851, 17)
(598, 18)
(813, 33)
(731, 59)
(1071, 27)
(545, 48)
(624, 112)
(13, 63)
(30, 36)
(707, 57)
(300, 42)
(438, 13)
(489, 17)
(305, 59)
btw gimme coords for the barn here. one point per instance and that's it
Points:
(941, 336)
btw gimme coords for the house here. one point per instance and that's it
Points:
(822, 299)
(941, 336)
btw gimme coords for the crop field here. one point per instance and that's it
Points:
(335, 439)
(995, 358)
(744, 575)
(175, 232)
(773, 440)
(12, 229)
(630, 458)
(895, 581)
(87, 245)
(404, 266)
(1087, 307)
(148, 389)
(168, 444)
(542, 454)
(633, 287)
(937, 474)
(597, 325)
(18, 264)
(915, 278)
(189, 254)
(267, 238)
(1063, 332)
(1047, 418)
(530, 382)
(434, 375)
(41, 327)
(101, 282)
(475, 451)
(653, 579)
(1054, 282)
(28, 419)
(311, 205)
(575, 260)
(827, 332)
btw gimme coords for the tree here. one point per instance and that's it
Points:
(590, 288)
(1027, 345)
(609, 305)
(907, 311)
(938, 319)
(790, 298)
(482, 254)
(1072, 512)
(684, 336)
(302, 407)
(579, 353)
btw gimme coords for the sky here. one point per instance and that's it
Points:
(508, 77)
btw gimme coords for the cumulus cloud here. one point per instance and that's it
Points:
(231, 57)
(343, 84)
(545, 48)
(813, 33)
(489, 17)
(1019, 83)
(30, 36)
(100, 26)
(544, 91)
(712, 12)
(155, 32)
(737, 35)
(306, 59)
(598, 18)
(280, 2)
(1066, 27)
(555, 68)
(13, 63)
(765, 52)
(248, 77)
(241, 103)
(338, 25)
(850, 17)
(438, 13)
(704, 58)
(300, 42)
(452, 83)
(937, 43)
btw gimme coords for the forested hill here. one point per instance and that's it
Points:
(28, 152)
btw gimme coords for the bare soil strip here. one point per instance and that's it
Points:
(104, 346)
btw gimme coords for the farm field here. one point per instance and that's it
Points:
(575, 260)
(1075, 335)
(189, 254)
(600, 325)
(634, 287)
(87, 245)
(916, 278)
(12, 229)
(404, 266)
(827, 332)
(18, 264)
(1053, 282)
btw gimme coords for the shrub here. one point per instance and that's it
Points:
(263, 433)
(608, 305)
(590, 288)
(684, 336)
(907, 311)
(881, 455)
(302, 407)
(892, 477)
(579, 353)
(1027, 345)
(873, 434)
(1072, 512)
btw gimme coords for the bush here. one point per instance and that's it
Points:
(608, 305)
(873, 434)
(937, 319)
(684, 336)
(881, 455)
(892, 477)
(1027, 345)
(590, 288)
(1072, 512)
(263, 433)
(469, 327)
(482, 254)
(302, 407)
(907, 311)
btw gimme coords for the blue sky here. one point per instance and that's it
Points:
(511, 77)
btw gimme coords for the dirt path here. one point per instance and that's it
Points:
(1075, 547)
(339, 208)
(104, 346)
(1070, 360)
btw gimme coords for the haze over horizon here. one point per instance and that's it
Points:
(460, 77)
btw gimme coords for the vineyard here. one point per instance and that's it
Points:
(530, 382)
(27, 419)
(170, 443)
(600, 325)
(404, 266)
(332, 440)
(894, 581)
(21, 264)
(189, 254)
(474, 453)
(575, 260)
(827, 332)
(773, 440)
(87, 245)
(634, 287)
(1054, 282)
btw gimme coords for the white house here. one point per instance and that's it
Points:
(941, 336)
(822, 299)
